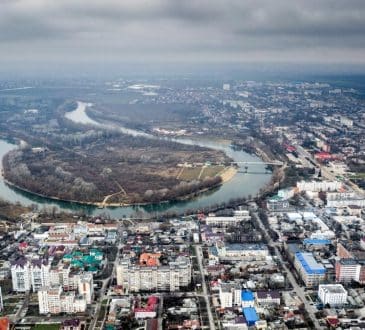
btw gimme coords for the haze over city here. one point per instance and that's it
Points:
(57, 35)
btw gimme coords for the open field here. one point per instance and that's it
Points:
(211, 171)
(200, 172)
(47, 327)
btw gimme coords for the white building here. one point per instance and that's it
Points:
(27, 275)
(268, 297)
(21, 275)
(226, 221)
(54, 301)
(86, 287)
(344, 199)
(230, 295)
(332, 294)
(1, 300)
(346, 121)
(319, 185)
(226, 296)
(226, 87)
(242, 252)
(39, 273)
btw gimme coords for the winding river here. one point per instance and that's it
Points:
(242, 184)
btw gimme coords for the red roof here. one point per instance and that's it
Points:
(323, 155)
(4, 323)
(153, 300)
(23, 245)
(333, 321)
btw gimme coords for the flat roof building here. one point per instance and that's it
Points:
(332, 294)
(250, 315)
(311, 272)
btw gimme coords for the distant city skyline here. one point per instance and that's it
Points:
(42, 33)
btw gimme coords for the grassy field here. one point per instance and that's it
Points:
(199, 172)
(212, 171)
(47, 327)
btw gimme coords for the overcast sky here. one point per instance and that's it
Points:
(193, 31)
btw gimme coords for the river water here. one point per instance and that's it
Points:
(242, 184)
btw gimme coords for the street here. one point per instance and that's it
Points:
(199, 255)
(297, 289)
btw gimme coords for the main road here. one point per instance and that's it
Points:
(199, 256)
(298, 290)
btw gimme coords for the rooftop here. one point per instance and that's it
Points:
(332, 288)
(310, 265)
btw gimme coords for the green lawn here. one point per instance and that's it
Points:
(47, 327)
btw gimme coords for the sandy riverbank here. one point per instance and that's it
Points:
(228, 174)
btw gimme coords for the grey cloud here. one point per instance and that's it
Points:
(180, 30)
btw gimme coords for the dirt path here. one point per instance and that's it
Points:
(106, 198)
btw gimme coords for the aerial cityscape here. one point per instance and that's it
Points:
(182, 165)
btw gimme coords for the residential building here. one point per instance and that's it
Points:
(311, 272)
(21, 275)
(86, 287)
(224, 221)
(39, 273)
(332, 294)
(268, 297)
(242, 252)
(319, 185)
(52, 300)
(347, 270)
(150, 275)
(226, 295)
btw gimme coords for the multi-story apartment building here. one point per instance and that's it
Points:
(52, 300)
(347, 270)
(311, 272)
(39, 273)
(319, 185)
(86, 287)
(152, 276)
(241, 252)
(20, 275)
(27, 275)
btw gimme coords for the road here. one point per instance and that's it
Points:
(297, 289)
(103, 293)
(199, 256)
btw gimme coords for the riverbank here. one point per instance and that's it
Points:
(230, 172)
(227, 174)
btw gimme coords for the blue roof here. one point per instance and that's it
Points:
(316, 241)
(250, 315)
(247, 295)
(309, 264)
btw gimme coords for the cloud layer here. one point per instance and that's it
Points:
(182, 31)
